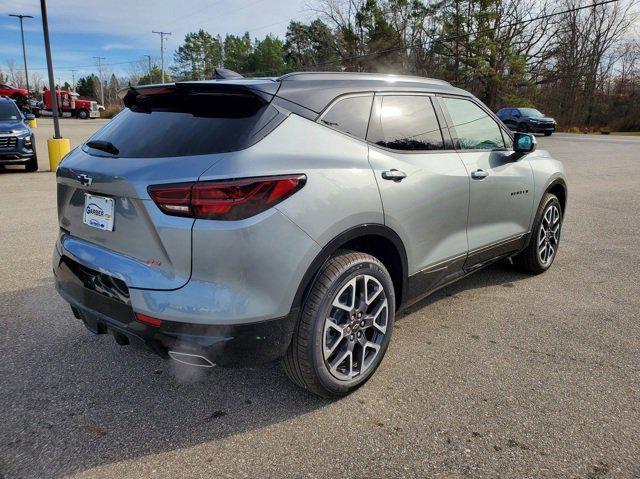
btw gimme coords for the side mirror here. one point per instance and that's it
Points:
(524, 143)
(30, 116)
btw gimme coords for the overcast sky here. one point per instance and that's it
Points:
(120, 30)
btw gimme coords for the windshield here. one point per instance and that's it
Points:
(532, 112)
(9, 111)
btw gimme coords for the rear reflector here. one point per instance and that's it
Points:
(143, 318)
(225, 200)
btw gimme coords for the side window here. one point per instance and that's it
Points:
(350, 115)
(474, 128)
(407, 123)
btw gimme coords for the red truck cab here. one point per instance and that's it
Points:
(71, 104)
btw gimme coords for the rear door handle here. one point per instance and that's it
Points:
(479, 174)
(394, 175)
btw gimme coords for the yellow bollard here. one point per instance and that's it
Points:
(32, 123)
(58, 147)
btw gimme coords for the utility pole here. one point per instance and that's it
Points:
(24, 54)
(162, 35)
(149, 58)
(99, 59)
(73, 80)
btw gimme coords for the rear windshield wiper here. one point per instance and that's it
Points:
(104, 146)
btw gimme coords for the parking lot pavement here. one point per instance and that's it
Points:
(501, 375)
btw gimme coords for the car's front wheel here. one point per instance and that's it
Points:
(345, 326)
(545, 237)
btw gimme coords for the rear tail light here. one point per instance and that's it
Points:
(225, 200)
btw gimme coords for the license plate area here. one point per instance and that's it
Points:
(98, 212)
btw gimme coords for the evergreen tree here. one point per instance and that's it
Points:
(198, 56)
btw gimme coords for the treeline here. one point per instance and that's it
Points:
(576, 60)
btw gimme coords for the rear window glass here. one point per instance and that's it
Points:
(185, 125)
(350, 115)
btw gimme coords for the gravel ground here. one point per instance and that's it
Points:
(501, 375)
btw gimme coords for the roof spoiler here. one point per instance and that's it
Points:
(263, 91)
(225, 74)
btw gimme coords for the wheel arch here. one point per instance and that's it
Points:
(558, 187)
(377, 240)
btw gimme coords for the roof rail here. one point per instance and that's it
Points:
(359, 76)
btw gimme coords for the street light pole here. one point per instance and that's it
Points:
(52, 83)
(24, 54)
(58, 147)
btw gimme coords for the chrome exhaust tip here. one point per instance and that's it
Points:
(191, 359)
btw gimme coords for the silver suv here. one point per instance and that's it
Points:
(240, 221)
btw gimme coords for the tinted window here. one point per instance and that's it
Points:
(408, 123)
(9, 111)
(531, 112)
(474, 128)
(350, 115)
(184, 125)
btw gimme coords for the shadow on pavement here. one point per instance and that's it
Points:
(72, 400)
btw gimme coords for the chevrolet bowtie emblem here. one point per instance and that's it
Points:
(84, 180)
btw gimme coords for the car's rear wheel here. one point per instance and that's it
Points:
(345, 326)
(548, 133)
(545, 237)
(523, 127)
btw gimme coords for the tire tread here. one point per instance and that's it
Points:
(298, 362)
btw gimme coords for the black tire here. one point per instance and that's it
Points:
(523, 127)
(83, 114)
(529, 261)
(304, 361)
(31, 165)
(548, 133)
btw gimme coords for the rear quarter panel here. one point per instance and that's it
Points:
(341, 191)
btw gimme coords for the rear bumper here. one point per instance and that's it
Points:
(102, 303)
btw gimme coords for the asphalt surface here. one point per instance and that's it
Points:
(501, 375)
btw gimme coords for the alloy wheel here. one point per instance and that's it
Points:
(549, 235)
(355, 327)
